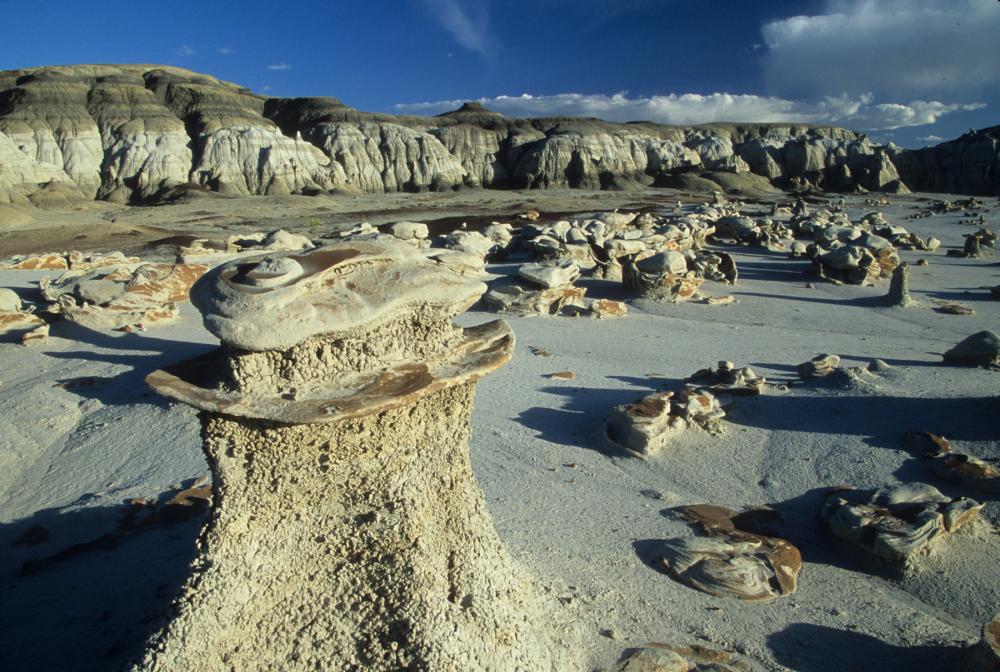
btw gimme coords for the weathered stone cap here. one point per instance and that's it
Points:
(481, 350)
(274, 302)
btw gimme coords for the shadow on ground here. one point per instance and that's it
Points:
(579, 419)
(813, 648)
(144, 354)
(86, 597)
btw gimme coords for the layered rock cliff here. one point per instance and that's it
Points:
(130, 133)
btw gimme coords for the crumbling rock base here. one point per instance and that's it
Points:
(358, 545)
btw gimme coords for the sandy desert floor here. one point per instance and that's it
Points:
(81, 435)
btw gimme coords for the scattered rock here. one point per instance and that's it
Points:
(726, 379)
(644, 427)
(819, 366)
(550, 275)
(954, 309)
(656, 657)
(980, 349)
(524, 301)
(148, 294)
(878, 366)
(951, 464)
(409, 230)
(730, 561)
(18, 323)
(39, 333)
(61, 261)
(10, 302)
(563, 375)
(659, 286)
(896, 523)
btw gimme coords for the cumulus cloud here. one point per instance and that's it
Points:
(896, 48)
(931, 139)
(226, 51)
(279, 66)
(861, 112)
(467, 21)
(185, 50)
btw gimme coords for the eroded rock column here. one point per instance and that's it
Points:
(348, 531)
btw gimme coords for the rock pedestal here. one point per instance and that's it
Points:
(348, 531)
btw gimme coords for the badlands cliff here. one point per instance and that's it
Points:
(144, 133)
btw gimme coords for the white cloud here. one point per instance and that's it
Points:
(467, 21)
(931, 139)
(279, 66)
(185, 50)
(226, 51)
(896, 48)
(860, 113)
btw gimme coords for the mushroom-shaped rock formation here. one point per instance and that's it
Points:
(734, 559)
(348, 530)
(980, 349)
(896, 523)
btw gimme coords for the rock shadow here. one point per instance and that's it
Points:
(144, 354)
(774, 271)
(579, 420)
(880, 419)
(805, 647)
(80, 594)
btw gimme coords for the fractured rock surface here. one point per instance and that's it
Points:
(731, 561)
(896, 523)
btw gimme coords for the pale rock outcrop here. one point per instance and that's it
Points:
(248, 160)
(146, 148)
(383, 157)
(45, 115)
(21, 175)
(478, 150)
(130, 133)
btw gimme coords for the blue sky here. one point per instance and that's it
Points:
(911, 71)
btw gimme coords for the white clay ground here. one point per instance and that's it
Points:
(80, 435)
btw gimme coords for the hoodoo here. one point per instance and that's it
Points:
(348, 530)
